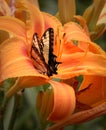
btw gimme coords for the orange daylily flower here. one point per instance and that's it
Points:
(15, 59)
(91, 95)
(15, 54)
(91, 102)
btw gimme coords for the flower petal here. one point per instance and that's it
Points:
(25, 82)
(69, 48)
(51, 21)
(34, 21)
(74, 32)
(55, 104)
(95, 93)
(93, 47)
(78, 64)
(15, 60)
(44, 105)
(82, 23)
(6, 23)
(64, 101)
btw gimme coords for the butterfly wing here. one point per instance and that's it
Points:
(45, 42)
(37, 55)
(42, 53)
(48, 42)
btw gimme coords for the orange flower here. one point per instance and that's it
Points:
(91, 95)
(91, 102)
(15, 57)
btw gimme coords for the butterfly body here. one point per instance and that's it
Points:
(42, 53)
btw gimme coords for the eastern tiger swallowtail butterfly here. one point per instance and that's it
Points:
(42, 53)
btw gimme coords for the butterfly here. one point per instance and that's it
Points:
(42, 53)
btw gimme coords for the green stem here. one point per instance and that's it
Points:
(2, 109)
(1, 120)
(13, 118)
(10, 108)
(14, 112)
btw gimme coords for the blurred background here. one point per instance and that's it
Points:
(26, 115)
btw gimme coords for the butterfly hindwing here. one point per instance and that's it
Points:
(42, 53)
